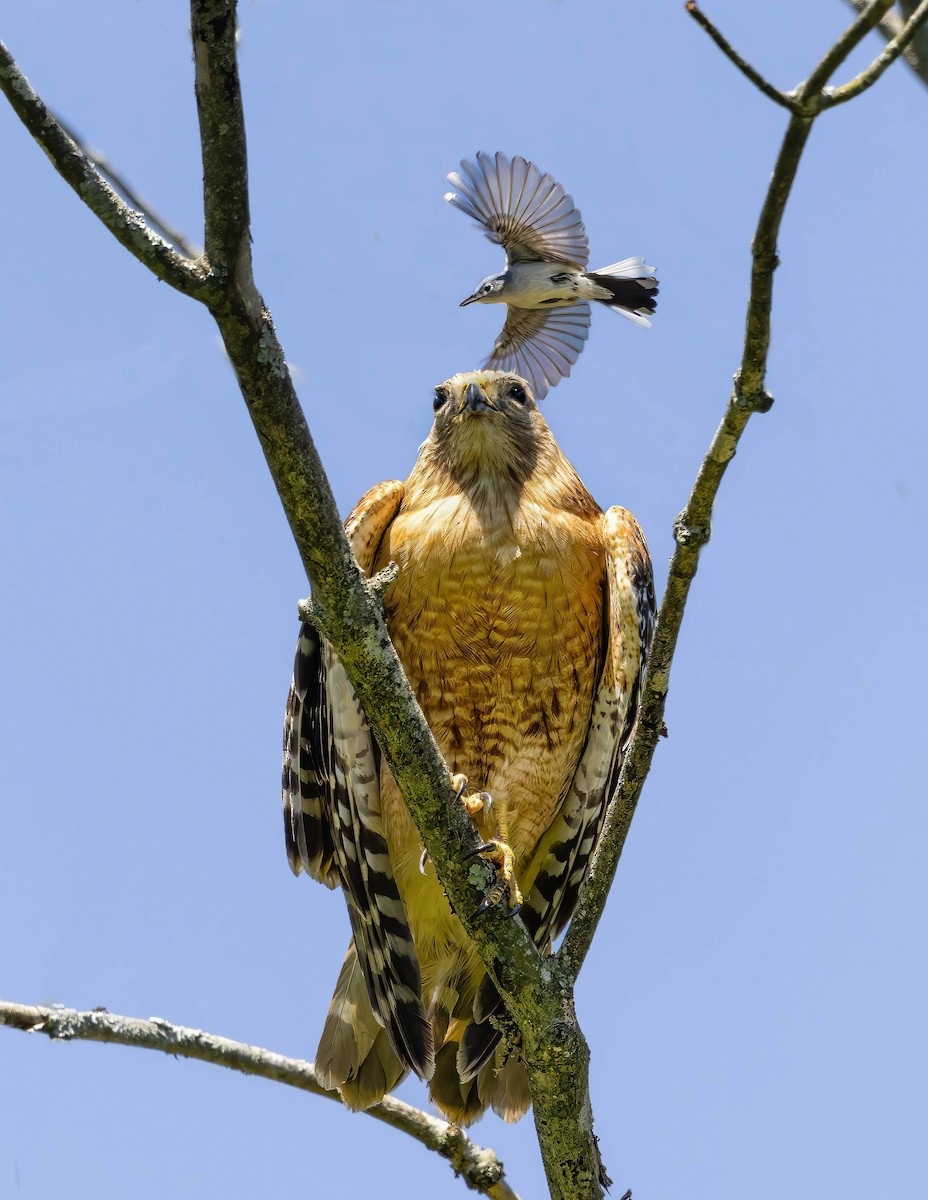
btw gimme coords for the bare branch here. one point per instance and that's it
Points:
(693, 526)
(743, 66)
(868, 78)
(74, 166)
(890, 25)
(916, 53)
(481, 1169)
(809, 93)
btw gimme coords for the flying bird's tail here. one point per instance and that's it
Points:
(630, 287)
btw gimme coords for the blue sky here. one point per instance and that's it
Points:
(755, 998)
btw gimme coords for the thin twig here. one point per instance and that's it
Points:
(868, 77)
(809, 93)
(129, 194)
(125, 224)
(481, 1169)
(890, 25)
(693, 526)
(744, 67)
(916, 53)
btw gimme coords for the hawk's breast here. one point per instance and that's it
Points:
(498, 621)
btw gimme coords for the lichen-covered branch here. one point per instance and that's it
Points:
(124, 223)
(693, 526)
(480, 1168)
(226, 209)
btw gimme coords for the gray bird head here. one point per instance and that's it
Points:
(488, 291)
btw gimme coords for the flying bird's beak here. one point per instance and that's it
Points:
(475, 400)
(469, 300)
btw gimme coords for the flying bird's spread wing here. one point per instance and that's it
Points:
(525, 212)
(541, 344)
(563, 854)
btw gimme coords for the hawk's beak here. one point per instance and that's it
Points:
(474, 399)
(469, 300)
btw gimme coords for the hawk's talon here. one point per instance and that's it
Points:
(484, 849)
(424, 859)
(500, 855)
(474, 803)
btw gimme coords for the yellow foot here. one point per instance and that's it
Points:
(474, 802)
(500, 855)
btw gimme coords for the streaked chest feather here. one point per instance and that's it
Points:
(497, 618)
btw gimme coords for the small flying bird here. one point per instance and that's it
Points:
(545, 285)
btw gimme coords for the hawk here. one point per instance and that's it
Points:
(522, 614)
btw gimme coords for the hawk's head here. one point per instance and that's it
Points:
(487, 420)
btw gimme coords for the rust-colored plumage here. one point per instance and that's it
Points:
(522, 615)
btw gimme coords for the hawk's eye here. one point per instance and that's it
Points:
(441, 397)
(517, 392)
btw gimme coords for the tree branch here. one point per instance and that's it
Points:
(226, 209)
(74, 166)
(693, 526)
(810, 92)
(868, 78)
(916, 53)
(480, 1168)
(744, 67)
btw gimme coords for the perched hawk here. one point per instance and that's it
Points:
(522, 614)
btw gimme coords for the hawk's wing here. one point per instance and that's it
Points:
(526, 212)
(541, 344)
(332, 816)
(564, 851)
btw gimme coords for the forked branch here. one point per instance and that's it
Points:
(77, 169)
(693, 526)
